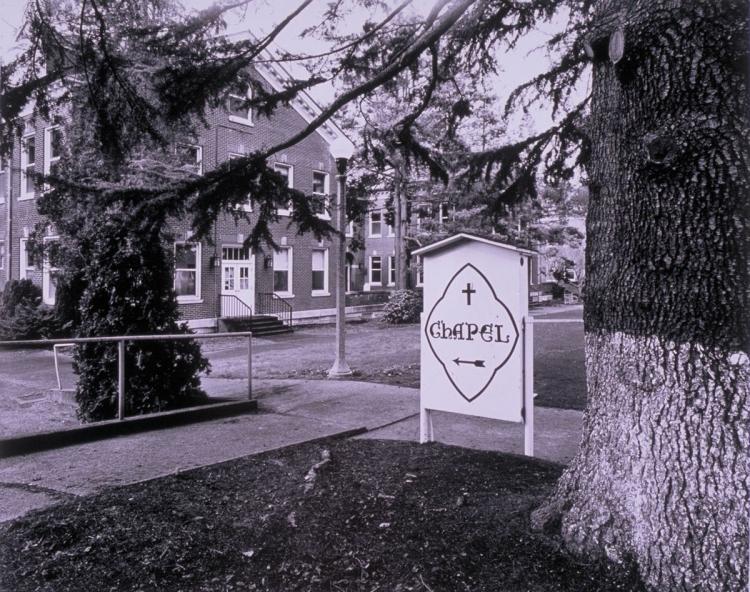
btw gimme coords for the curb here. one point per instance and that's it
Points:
(37, 442)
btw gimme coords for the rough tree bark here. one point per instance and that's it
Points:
(400, 223)
(662, 473)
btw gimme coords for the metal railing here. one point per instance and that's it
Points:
(233, 307)
(273, 304)
(121, 340)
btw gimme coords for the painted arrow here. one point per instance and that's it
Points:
(477, 363)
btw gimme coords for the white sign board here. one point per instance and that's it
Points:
(474, 350)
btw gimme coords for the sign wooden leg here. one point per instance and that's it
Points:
(425, 426)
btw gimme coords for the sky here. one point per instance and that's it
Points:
(262, 15)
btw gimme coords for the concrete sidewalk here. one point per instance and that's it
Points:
(291, 412)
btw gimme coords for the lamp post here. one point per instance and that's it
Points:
(340, 367)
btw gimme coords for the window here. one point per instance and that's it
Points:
(282, 271)
(187, 271)
(53, 145)
(320, 272)
(321, 200)
(50, 271)
(4, 175)
(248, 207)
(286, 171)
(190, 157)
(443, 213)
(375, 223)
(26, 262)
(28, 165)
(350, 228)
(391, 270)
(376, 272)
(420, 271)
(237, 104)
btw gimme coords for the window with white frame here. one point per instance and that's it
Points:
(187, 271)
(28, 164)
(376, 223)
(444, 213)
(321, 200)
(237, 103)
(53, 146)
(320, 272)
(282, 271)
(50, 270)
(391, 270)
(4, 178)
(26, 259)
(190, 157)
(376, 271)
(286, 171)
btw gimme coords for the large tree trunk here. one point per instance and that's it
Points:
(400, 222)
(662, 473)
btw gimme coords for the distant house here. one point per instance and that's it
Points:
(223, 279)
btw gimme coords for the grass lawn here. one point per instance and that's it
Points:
(376, 515)
(389, 354)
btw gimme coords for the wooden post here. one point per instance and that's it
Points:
(426, 433)
(528, 385)
(121, 379)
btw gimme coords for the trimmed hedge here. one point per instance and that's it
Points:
(404, 306)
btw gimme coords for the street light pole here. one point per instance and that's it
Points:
(340, 367)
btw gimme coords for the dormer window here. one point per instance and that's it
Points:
(237, 104)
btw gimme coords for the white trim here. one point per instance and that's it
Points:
(278, 77)
(326, 273)
(369, 271)
(349, 228)
(197, 296)
(420, 271)
(4, 170)
(462, 236)
(2, 253)
(289, 293)
(290, 180)
(48, 161)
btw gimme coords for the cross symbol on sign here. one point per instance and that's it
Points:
(468, 291)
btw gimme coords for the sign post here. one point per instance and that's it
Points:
(477, 338)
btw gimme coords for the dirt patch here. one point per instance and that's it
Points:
(345, 515)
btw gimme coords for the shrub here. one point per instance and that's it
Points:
(19, 292)
(404, 306)
(126, 288)
(22, 314)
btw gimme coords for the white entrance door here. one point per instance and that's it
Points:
(237, 282)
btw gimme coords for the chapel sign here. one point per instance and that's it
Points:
(476, 343)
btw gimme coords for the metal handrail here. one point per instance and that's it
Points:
(121, 340)
(272, 303)
(237, 307)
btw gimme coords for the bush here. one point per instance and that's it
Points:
(404, 306)
(18, 292)
(22, 314)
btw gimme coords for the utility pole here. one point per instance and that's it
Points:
(340, 367)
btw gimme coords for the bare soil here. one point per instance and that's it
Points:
(350, 515)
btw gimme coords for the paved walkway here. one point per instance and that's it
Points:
(291, 412)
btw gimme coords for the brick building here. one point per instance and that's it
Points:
(223, 279)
